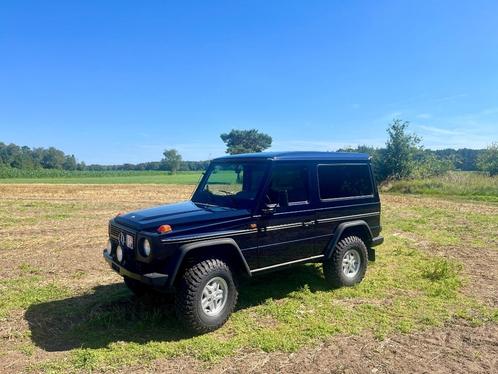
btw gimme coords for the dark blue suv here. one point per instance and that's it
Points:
(250, 214)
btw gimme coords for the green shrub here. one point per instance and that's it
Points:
(456, 183)
(488, 160)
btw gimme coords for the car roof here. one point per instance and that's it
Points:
(298, 155)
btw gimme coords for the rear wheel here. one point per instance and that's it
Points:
(348, 263)
(206, 295)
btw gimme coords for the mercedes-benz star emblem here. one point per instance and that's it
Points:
(121, 239)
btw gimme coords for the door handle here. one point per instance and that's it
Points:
(308, 223)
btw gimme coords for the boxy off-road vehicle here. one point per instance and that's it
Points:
(250, 214)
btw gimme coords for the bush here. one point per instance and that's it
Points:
(430, 166)
(488, 160)
(401, 147)
(454, 183)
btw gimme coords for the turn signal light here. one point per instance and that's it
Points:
(164, 229)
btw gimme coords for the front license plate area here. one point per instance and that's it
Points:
(129, 241)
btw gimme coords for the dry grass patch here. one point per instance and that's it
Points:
(64, 310)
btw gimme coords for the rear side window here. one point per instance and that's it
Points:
(339, 181)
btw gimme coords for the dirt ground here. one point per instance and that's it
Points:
(455, 348)
(71, 221)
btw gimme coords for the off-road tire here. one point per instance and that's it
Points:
(332, 268)
(138, 288)
(189, 293)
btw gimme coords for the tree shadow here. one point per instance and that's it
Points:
(111, 313)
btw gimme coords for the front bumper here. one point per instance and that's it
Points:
(157, 280)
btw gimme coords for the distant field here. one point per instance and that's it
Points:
(470, 185)
(101, 177)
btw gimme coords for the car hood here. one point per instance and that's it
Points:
(178, 216)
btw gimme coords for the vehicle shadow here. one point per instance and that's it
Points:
(111, 313)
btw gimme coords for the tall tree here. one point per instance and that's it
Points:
(52, 158)
(69, 162)
(246, 141)
(488, 160)
(401, 147)
(172, 160)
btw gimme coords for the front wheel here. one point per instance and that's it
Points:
(348, 263)
(206, 295)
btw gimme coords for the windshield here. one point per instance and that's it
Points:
(231, 184)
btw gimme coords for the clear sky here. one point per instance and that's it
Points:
(119, 81)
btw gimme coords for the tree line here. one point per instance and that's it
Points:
(26, 158)
(402, 157)
(23, 157)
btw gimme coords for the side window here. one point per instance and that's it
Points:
(339, 181)
(291, 180)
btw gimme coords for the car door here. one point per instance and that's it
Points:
(287, 234)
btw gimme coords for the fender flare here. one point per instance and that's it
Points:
(186, 248)
(338, 233)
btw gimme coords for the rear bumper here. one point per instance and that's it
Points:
(157, 280)
(378, 240)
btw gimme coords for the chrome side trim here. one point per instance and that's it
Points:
(284, 226)
(210, 235)
(332, 219)
(287, 263)
(331, 208)
(268, 228)
(323, 220)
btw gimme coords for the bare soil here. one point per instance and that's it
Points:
(74, 243)
(456, 348)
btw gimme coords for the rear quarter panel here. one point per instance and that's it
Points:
(332, 212)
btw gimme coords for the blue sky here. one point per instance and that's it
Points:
(119, 81)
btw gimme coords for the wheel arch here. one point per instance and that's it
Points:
(224, 248)
(357, 228)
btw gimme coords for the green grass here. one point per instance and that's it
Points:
(25, 213)
(405, 290)
(443, 225)
(23, 291)
(464, 184)
(108, 177)
(104, 328)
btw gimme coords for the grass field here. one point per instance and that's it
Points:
(106, 177)
(470, 185)
(63, 310)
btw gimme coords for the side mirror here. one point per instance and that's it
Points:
(269, 209)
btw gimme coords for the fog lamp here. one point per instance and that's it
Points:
(119, 253)
(108, 249)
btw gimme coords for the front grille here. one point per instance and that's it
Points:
(114, 232)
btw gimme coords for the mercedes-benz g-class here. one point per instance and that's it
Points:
(250, 214)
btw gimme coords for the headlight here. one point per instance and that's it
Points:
(146, 248)
(108, 249)
(119, 253)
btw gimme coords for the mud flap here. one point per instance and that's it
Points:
(371, 254)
